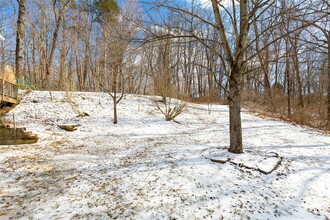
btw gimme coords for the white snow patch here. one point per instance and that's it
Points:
(269, 164)
(147, 168)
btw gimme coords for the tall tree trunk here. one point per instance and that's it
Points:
(265, 68)
(115, 115)
(3, 58)
(237, 66)
(87, 57)
(328, 113)
(300, 90)
(63, 55)
(104, 69)
(288, 80)
(309, 80)
(34, 62)
(234, 99)
(54, 40)
(19, 37)
(295, 60)
(114, 95)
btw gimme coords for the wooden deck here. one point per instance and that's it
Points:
(8, 92)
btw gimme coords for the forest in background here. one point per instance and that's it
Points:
(177, 49)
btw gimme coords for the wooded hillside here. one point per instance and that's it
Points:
(178, 49)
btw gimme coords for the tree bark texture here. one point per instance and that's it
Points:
(328, 104)
(115, 116)
(235, 125)
(19, 37)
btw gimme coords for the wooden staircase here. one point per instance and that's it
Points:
(15, 136)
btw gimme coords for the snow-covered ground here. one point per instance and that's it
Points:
(147, 168)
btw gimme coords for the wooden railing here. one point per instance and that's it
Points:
(7, 90)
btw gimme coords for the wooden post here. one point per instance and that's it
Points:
(3, 90)
(14, 122)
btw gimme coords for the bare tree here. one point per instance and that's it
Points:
(61, 5)
(236, 59)
(19, 37)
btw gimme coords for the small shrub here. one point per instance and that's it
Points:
(169, 109)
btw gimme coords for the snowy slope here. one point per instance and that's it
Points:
(147, 168)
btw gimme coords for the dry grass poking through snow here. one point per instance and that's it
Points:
(148, 168)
